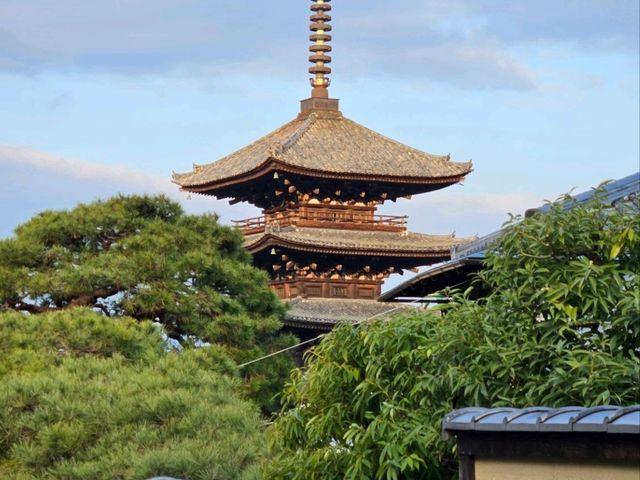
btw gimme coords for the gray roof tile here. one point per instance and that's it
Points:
(328, 142)
(607, 419)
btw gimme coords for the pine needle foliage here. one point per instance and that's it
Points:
(561, 327)
(139, 256)
(143, 257)
(87, 397)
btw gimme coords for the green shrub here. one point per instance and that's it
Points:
(87, 397)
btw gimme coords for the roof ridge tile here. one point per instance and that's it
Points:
(306, 125)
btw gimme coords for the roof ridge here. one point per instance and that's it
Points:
(300, 132)
(262, 139)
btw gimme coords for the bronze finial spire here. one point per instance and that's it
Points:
(320, 26)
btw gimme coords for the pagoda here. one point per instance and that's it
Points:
(319, 180)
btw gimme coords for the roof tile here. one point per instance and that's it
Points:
(328, 142)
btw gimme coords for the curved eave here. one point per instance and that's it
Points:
(269, 241)
(402, 289)
(272, 165)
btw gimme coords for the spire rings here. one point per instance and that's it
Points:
(319, 49)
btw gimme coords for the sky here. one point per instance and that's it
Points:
(110, 96)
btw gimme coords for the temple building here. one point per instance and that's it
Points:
(319, 180)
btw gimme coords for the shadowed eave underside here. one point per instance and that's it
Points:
(325, 145)
(355, 242)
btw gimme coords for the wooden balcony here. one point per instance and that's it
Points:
(344, 217)
(325, 288)
(250, 226)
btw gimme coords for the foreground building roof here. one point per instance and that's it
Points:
(540, 443)
(607, 419)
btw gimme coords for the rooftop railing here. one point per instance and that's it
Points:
(324, 218)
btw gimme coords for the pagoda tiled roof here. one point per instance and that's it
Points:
(324, 313)
(353, 242)
(326, 144)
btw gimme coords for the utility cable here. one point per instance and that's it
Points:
(293, 347)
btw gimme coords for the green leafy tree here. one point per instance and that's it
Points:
(561, 327)
(83, 396)
(143, 257)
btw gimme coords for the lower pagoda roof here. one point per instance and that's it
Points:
(325, 313)
(354, 242)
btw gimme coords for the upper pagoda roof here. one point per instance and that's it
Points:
(325, 144)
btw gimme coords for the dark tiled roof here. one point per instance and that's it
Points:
(616, 193)
(329, 142)
(324, 313)
(435, 279)
(621, 193)
(609, 419)
(353, 241)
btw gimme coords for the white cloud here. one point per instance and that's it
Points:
(466, 213)
(82, 169)
(36, 181)
(461, 42)
(485, 203)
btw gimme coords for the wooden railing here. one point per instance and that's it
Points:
(324, 218)
(251, 225)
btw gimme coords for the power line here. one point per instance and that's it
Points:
(273, 354)
(293, 347)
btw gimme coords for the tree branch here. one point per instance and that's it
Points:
(81, 301)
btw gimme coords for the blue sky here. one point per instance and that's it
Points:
(105, 96)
